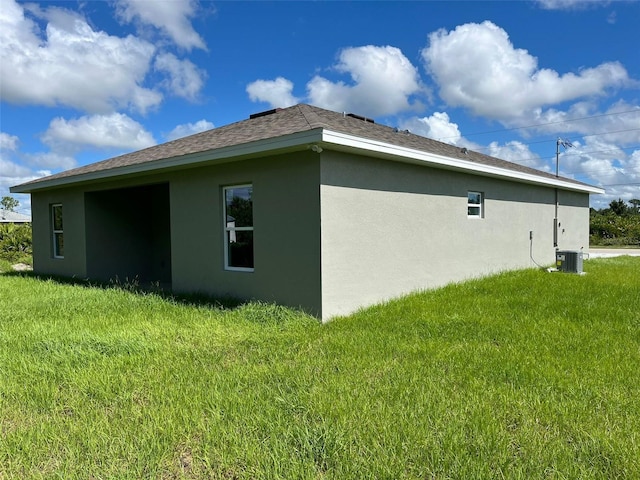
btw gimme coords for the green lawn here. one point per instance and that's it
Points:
(523, 375)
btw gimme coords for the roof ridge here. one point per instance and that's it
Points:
(310, 115)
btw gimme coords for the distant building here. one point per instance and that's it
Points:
(7, 216)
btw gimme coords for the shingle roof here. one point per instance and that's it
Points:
(286, 121)
(7, 216)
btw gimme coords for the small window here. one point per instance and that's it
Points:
(57, 231)
(475, 202)
(238, 227)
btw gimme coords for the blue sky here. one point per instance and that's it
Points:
(88, 80)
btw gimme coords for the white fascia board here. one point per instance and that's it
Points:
(292, 142)
(411, 155)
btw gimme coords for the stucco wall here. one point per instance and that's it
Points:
(74, 261)
(387, 229)
(103, 240)
(391, 228)
(573, 221)
(286, 205)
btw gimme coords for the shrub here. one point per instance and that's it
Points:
(15, 242)
(610, 228)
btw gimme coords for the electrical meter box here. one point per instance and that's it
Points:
(569, 261)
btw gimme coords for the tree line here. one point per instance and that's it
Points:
(618, 224)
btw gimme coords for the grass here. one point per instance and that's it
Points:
(6, 265)
(522, 375)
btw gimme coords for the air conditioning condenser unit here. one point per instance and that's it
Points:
(569, 261)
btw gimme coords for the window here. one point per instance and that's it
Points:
(57, 231)
(475, 201)
(238, 227)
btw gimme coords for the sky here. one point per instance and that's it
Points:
(82, 81)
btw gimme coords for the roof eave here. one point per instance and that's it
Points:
(409, 155)
(291, 142)
(301, 140)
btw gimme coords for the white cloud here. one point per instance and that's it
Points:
(51, 161)
(278, 93)
(9, 170)
(97, 131)
(383, 82)
(438, 127)
(477, 67)
(517, 152)
(602, 140)
(170, 17)
(17, 168)
(12, 174)
(570, 4)
(619, 123)
(603, 162)
(187, 129)
(185, 79)
(606, 164)
(70, 63)
(8, 142)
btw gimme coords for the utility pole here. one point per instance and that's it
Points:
(566, 144)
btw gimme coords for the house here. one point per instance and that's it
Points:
(7, 216)
(306, 207)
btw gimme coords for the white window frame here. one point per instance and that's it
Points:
(232, 229)
(54, 231)
(479, 206)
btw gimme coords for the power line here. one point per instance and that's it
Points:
(558, 122)
(589, 152)
(597, 171)
(610, 133)
(591, 171)
(564, 155)
(553, 139)
(586, 152)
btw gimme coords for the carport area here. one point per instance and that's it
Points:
(128, 234)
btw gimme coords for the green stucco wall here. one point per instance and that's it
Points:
(286, 206)
(74, 261)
